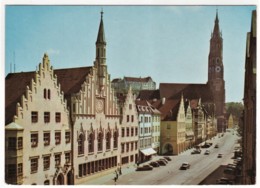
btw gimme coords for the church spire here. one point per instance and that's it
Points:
(101, 32)
(216, 32)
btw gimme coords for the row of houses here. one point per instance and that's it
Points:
(66, 126)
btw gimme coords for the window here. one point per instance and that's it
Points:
(132, 131)
(57, 117)
(11, 170)
(49, 94)
(12, 143)
(57, 137)
(34, 165)
(46, 117)
(91, 143)
(20, 143)
(127, 147)
(67, 136)
(132, 118)
(46, 162)
(127, 118)
(123, 148)
(34, 140)
(115, 139)
(136, 131)
(45, 93)
(67, 157)
(136, 145)
(123, 132)
(108, 139)
(57, 159)
(82, 169)
(34, 116)
(100, 143)
(127, 131)
(81, 144)
(46, 138)
(20, 169)
(130, 106)
(132, 146)
(168, 126)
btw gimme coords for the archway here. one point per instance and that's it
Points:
(167, 149)
(60, 180)
(70, 180)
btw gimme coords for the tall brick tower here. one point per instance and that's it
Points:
(216, 75)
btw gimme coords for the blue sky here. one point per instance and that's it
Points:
(168, 43)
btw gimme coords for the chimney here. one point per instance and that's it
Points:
(163, 100)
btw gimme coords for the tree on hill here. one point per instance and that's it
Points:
(235, 108)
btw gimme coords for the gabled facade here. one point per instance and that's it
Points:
(190, 139)
(129, 129)
(38, 137)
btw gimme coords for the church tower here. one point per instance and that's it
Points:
(100, 62)
(216, 74)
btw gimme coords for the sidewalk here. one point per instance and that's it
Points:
(109, 178)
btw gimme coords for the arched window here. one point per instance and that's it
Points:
(115, 139)
(44, 93)
(108, 140)
(100, 143)
(81, 144)
(91, 143)
(49, 94)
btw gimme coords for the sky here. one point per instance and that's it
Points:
(168, 43)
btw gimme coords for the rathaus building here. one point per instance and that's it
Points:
(61, 126)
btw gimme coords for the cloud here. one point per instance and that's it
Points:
(53, 52)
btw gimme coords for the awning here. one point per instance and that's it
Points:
(148, 151)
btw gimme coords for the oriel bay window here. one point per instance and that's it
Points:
(20, 170)
(12, 143)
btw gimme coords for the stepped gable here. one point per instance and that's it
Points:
(149, 94)
(15, 87)
(71, 79)
(189, 91)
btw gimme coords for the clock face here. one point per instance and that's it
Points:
(218, 68)
(99, 106)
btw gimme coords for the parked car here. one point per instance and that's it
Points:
(207, 145)
(207, 152)
(196, 151)
(216, 146)
(145, 167)
(154, 164)
(162, 159)
(161, 162)
(229, 171)
(219, 155)
(224, 181)
(185, 166)
(167, 158)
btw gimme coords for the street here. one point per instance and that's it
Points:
(201, 166)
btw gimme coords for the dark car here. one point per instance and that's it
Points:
(167, 158)
(224, 181)
(161, 162)
(145, 167)
(185, 166)
(220, 155)
(207, 152)
(154, 164)
(196, 151)
(216, 146)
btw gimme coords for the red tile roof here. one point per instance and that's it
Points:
(149, 94)
(190, 91)
(70, 80)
